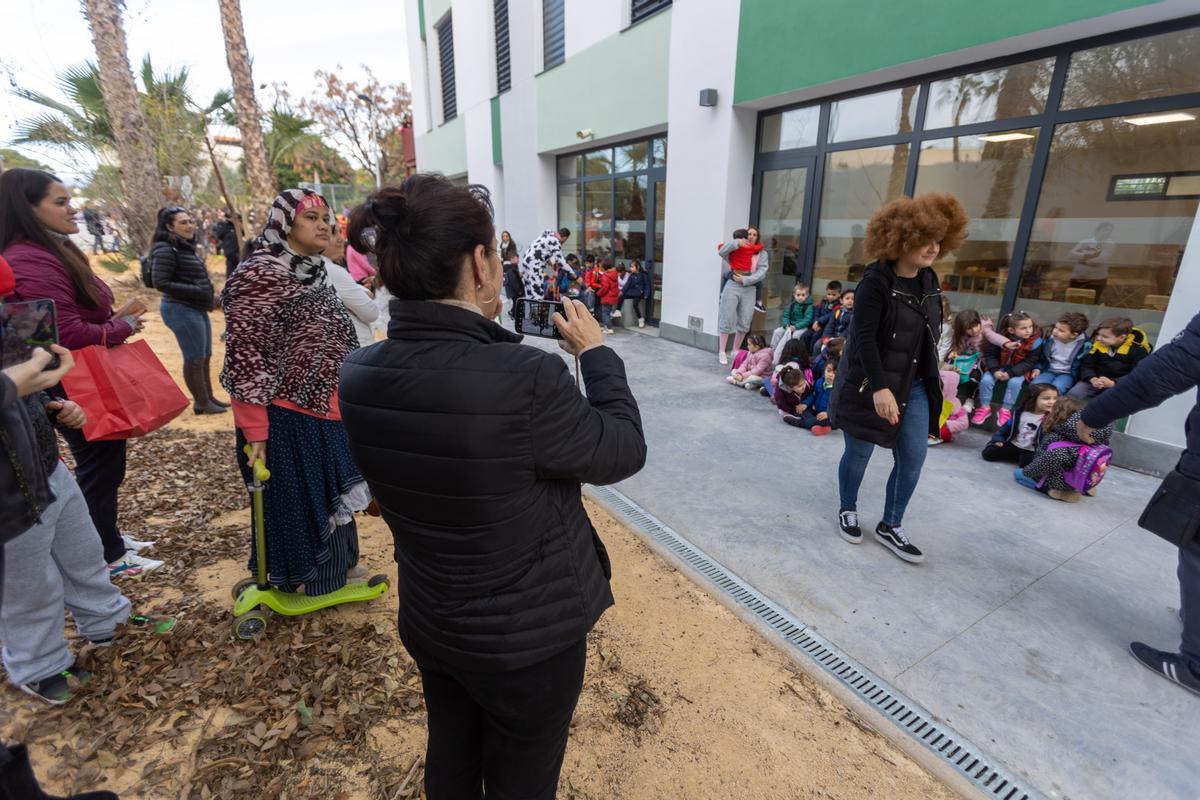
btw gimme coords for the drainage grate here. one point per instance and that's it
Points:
(940, 739)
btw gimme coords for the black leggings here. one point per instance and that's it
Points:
(100, 470)
(996, 451)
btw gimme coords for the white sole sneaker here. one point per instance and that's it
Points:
(140, 562)
(136, 545)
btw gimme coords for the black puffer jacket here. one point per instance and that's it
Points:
(180, 275)
(22, 463)
(884, 351)
(475, 447)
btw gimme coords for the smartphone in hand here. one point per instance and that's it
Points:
(536, 317)
(24, 326)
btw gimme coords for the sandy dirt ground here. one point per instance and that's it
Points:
(681, 699)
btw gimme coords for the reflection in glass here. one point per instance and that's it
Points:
(781, 218)
(857, 183)
(660, 152)
(1016, 91)
(598, 162)
(598, 218)
(660, 217)
(1109, 257)
(632, 156)
(570, 197)
(629, 236)
(570, 166)
(879, 114)
(1155, 66)
(790, 129)
(989, 174)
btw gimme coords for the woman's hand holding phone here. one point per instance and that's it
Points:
(32, 376)
(579, 329)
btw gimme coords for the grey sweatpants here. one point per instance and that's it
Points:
(55, 564)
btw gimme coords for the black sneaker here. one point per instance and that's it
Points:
(793, 420)
(1172, 666)
(895, 540)
(848, 527)
(760, 308)
(58, 689)
(763, 391)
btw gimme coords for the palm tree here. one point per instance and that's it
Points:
(78, 125)
(258, 174)
(140, 177)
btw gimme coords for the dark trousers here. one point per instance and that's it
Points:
(503, 733)
(808, 420)
(231, 263)
(993, 451)
(100, 470)
(1189, 602)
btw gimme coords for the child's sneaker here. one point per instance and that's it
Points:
(1066, 495)
(820, 430)
(723, 357)
(161, 625)
(848, 527)
(132, 560)
(123, 569)
(981, 415)
(969, 406)
(763, 391)
(730, 379)
(136, 545)
(759, 307)
(641, 322)
(58, 689)
(793, 420)
(934, 441)
(1002, 417)
(893, 538)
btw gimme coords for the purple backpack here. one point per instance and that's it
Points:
(1090, 465)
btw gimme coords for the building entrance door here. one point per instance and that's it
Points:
(654, 253)
(782, 206)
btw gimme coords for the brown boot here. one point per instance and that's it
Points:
(201, 402)
(208, 384)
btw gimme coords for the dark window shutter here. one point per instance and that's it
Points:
(503, 63)
(554, 32)
(640, 9)
(445, 34)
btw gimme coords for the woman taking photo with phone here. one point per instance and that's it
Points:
(287, 334)
(36, 223)
(178, 271)
(475, 447)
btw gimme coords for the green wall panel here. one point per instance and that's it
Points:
(617, 85)
(444, 149)
(421, 18)
(497, 142)
(784, 45)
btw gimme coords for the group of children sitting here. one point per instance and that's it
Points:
(1055, 372)
(601, 285)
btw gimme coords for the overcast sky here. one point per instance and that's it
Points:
(288, 41)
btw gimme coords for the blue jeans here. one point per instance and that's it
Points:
(1028, 483)
(987, 385)
(1061, 380)
(606, 315)
(191, 327)
(908, 456)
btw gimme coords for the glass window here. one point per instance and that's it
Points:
(857, 182)
(1016, 91)
(790, 129)
(570, 198)
(781, 218)
(660, 152)
(1156, 66)
(879, 114)
(629, 235)
(632, 156)
(598, 218)
(1107, 256)
(570, 166)
(989, 174)
(598, 162)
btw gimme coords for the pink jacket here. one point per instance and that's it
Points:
(957, 422)
(41, 276)
(358, 265)
(758, 363)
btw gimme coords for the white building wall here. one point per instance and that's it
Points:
(589, 21)
(418, 66)
(707, 195)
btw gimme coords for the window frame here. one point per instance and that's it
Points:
(503, 47)
(446, 25)
(642, 10)
(560, 40)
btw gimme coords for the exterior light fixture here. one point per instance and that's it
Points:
(1158, 119)
(708, 98)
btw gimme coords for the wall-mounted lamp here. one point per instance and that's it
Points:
(708, 98)
(586, 133)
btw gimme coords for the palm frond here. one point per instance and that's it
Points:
(52, 131)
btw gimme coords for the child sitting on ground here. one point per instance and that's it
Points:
(953, 417)
(795, 319)
(841, 319)
(750, 372)
(822, 313)
(1017, 440)
(1116, 349)
(1053, 470)
(1062, 352)
(794, 354)
(815, 417)
(1008, 365)
(789, 394)
(830, 353)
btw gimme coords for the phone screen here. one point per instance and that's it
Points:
(535, 317)
(24, 326)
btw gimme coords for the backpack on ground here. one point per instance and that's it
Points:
(1091, 463)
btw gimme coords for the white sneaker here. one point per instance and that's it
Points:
(136, 545)
(722, 357)
(609, 330)
(131, 560)
(641, 322)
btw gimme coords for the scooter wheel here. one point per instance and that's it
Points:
(250, 625)
(376, 580)
(241, 586)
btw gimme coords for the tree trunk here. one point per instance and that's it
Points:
(140, 179)
(258, 174)
(234, 217)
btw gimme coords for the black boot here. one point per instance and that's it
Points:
(17, 781)
(201, 402)
(208, 384)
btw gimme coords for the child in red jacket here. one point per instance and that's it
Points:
(608, 293)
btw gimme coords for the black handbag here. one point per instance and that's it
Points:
(1173, 513)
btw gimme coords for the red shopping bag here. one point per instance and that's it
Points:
(125, 391)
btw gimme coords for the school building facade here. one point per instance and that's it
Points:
(653, 129)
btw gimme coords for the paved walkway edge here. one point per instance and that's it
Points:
(876, 719)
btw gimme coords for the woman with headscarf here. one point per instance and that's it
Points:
(287, 335)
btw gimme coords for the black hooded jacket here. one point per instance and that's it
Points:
(475, 447)
(890, 329)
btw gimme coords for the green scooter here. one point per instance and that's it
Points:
(252, 597)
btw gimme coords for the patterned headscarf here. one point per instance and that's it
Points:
(287, 206)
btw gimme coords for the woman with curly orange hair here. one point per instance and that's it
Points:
(887, 391)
